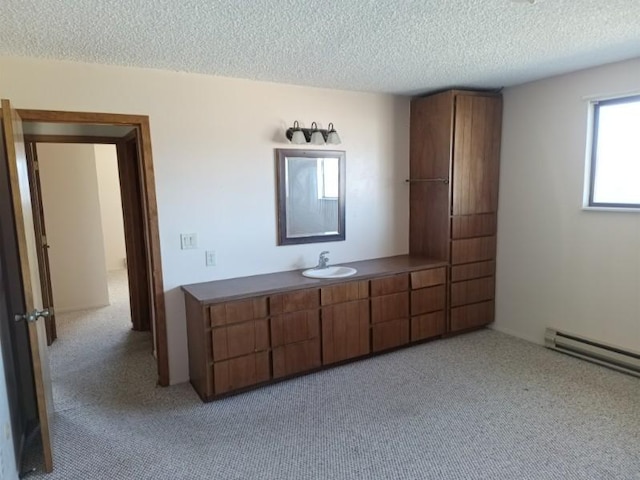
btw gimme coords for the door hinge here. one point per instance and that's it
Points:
(34, 315)
(36, 165)
(44, 242)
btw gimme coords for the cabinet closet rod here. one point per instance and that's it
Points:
(412, 180)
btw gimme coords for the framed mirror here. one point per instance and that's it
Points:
(311, 195)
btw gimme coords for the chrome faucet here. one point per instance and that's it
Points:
(323, 261)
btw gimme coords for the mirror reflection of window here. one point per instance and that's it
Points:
(328, 178)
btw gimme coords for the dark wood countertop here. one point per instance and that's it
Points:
(266, 284)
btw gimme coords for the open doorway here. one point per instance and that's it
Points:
(130, 136)
(83, 224)
(80, 201)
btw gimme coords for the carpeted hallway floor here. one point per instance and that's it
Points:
(478, 406)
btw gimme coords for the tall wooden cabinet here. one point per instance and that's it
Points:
(454, 173)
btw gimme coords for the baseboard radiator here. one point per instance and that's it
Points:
(596, 352)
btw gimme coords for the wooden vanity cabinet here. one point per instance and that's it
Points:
(389, 312)
(345, 321)
(454, 173)
(245, 332)
(295, 332)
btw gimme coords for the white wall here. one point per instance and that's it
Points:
(213, 149)
(559, 265)
(74, 229)
(110, 206)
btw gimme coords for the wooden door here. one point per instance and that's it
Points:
(135, 239)
(41, 240)
(30, 275)
(476, 154)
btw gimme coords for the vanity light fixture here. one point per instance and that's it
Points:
(314, 135)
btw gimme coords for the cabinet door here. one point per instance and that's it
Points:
(345, 331)
(294, 327)
(296, 358)
(425, 300)
(240, 339)
(241, 372)
(294, 301)
(428, 278)
(237, 311)
(344, 292)
(476, 154)
(428, 326)
(472, 291)
(472, 316)
(390, 334)
(389, 307)
(388, 285)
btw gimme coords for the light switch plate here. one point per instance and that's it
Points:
(188, 241)
(210, 258)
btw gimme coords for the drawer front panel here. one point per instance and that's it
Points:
(470, 316)
(390, 334)
(428, 278)
(294, 301)
(428, 300)
(472, 291)
(428, 326)
(388, 285)
(240, 339)
(473, 270)
(389, 307)
(346, 292)
(296, 358)
(236, 312)
(294, 327)
(345, 331)
(241, 372)
(468, 226)
(473, 250)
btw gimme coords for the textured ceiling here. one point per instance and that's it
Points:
(395, 46)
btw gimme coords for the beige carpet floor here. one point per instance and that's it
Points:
(478, 406)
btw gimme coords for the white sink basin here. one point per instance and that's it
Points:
(330, 272)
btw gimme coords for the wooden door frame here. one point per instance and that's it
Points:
(148, 201)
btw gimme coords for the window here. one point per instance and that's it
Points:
(615, 155)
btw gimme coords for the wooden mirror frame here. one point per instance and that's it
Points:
(281, 159)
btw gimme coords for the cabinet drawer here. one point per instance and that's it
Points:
(236, 312)
(472, 291)
(388, 285)
(473, 250)
(470, 316)
(345, 331)
(294, 301)
(428, 326)
(467, 226)
(428, 278)
(473, 270)
(240, 339)
(241, 372)
(428, 300)
(296, 358)
(389, 307)
(346, 292)
(390, 334)
(294, 327)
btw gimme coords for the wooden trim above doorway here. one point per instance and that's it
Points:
(141, 123)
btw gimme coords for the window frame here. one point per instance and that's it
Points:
(594, 149)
